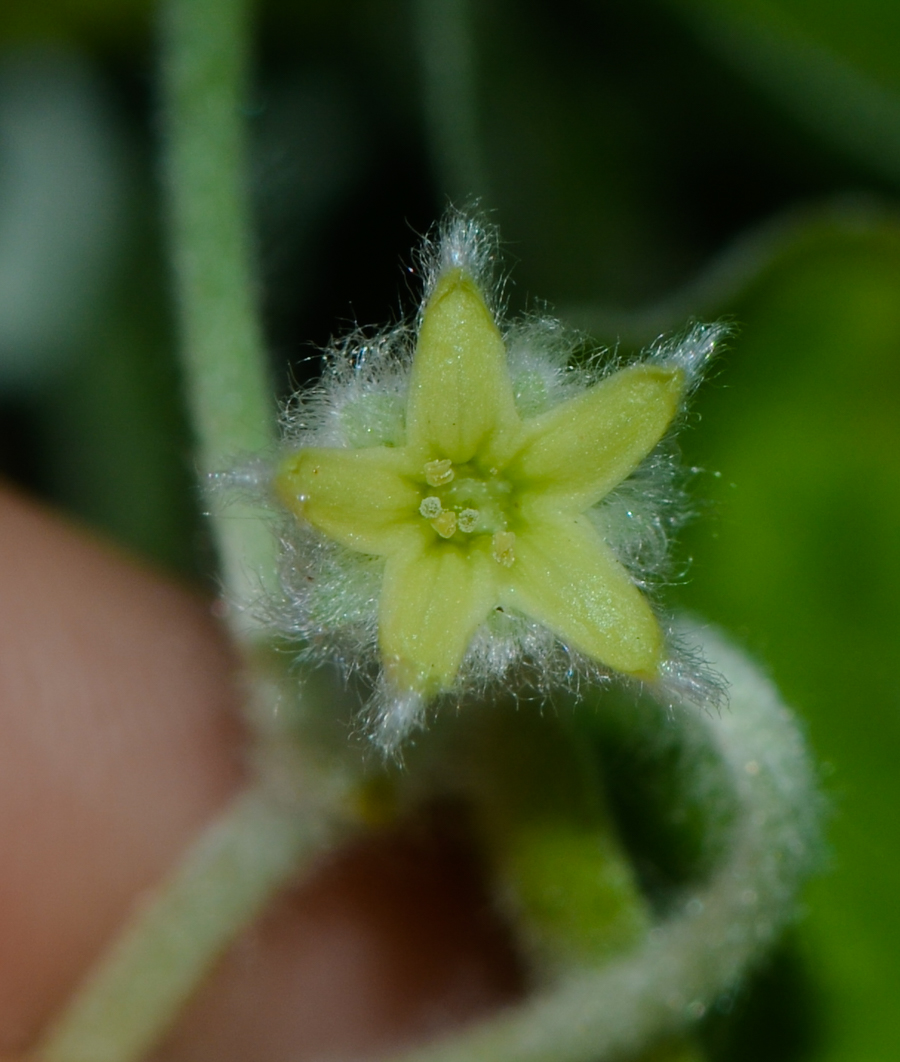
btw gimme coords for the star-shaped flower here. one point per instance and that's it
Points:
(481, 509)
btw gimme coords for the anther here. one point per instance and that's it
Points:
(503, 548)
(431, 507)
(467, 520)
(439, 473)
(445, 524)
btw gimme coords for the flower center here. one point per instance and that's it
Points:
(462, 503)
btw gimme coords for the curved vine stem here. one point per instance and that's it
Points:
(172, 941)
(685, 963)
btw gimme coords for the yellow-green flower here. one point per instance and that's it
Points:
(475, 508)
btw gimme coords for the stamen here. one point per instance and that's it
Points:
(502, 548)
(445, 524)
(467, 520)
(431, 507)
(438, 473)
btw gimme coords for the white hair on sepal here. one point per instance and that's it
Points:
(360, 399)
(393, 715)
(466, 241)
(328, 605)
(639, 518)
(686, 676)
(690, 351)
(540, 353)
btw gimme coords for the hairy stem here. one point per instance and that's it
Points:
(226, 377)
(139, 987)
(672, 978)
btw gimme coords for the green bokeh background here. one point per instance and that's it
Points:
(647, 162)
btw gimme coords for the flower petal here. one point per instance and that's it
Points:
(566, 577)
(461, 398)
(433, 601)
(360, 498)
(579, 450)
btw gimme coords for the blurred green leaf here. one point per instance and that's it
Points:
(865, 32)
(801, 558)
(832, 65)
(105, 22)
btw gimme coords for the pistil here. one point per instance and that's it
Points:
(450, 510)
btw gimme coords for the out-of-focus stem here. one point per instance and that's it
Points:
(445, 44)
(229, 392)
(134, 994)
(676, 973)
(137, 989)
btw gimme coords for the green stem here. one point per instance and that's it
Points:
(444, 38)
(672, 978)
(137, 989)
(229, 392)
(140, 986)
